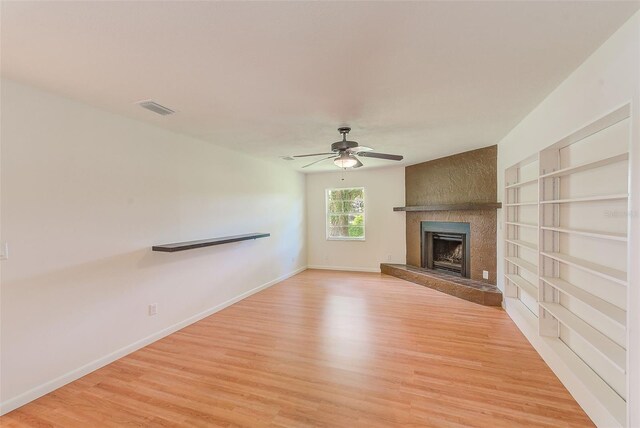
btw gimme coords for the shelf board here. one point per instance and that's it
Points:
(521, 263)
(620, 196)
(603, 344)
(521, 204)
(181, 246)
(587, 166)
(525, 244)
(522, 183)
(532, 226)
(606, 272)
(523, 284)
(610, 310)
(600, 235)
(452, 207)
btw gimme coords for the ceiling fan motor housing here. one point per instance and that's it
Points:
(343, 145)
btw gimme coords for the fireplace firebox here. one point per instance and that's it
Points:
(446, 247)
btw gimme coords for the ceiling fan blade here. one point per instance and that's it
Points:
(380, 156)
(319, 160)
(312, 154)
(359, 149)
(358, 165)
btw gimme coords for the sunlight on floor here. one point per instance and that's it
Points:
(346, 332)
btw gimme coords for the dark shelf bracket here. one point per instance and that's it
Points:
(190, 245)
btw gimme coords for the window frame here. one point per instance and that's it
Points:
(327, 214)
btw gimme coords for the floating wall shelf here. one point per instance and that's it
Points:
(190, 245)
(452, 207)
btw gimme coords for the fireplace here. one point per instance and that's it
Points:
(446, 247)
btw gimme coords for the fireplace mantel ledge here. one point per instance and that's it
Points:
(452, 207)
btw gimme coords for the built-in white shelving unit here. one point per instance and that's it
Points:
(566, 233)
(521, 230)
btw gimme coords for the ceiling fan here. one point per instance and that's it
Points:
(344, 152)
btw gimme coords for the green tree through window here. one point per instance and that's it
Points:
(345, 213)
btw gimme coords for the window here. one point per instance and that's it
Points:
(345, 213)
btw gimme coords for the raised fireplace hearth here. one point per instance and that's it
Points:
(478, 292)
(446, 247)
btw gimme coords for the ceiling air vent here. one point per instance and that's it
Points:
(156, 108)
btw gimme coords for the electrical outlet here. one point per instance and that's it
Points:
(485, 274)
(153, 309)
(4, 251)
(389, 258)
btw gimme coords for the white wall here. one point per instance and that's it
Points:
(608, 79)
(385, 229)
(85, 194)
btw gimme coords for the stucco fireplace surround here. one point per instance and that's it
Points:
(459, 191)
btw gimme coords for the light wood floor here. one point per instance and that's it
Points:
(324, 349)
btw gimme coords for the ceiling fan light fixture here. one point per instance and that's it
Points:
(345, 160)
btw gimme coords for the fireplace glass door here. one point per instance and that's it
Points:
(445, 247)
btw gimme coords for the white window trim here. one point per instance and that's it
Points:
(326, 215)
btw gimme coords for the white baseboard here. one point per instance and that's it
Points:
(345, 268)
(37, 392)
(597, 399)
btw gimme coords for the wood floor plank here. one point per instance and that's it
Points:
(324, 349)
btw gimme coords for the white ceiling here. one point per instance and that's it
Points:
(423, 80)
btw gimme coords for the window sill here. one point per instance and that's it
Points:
(346, 239)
